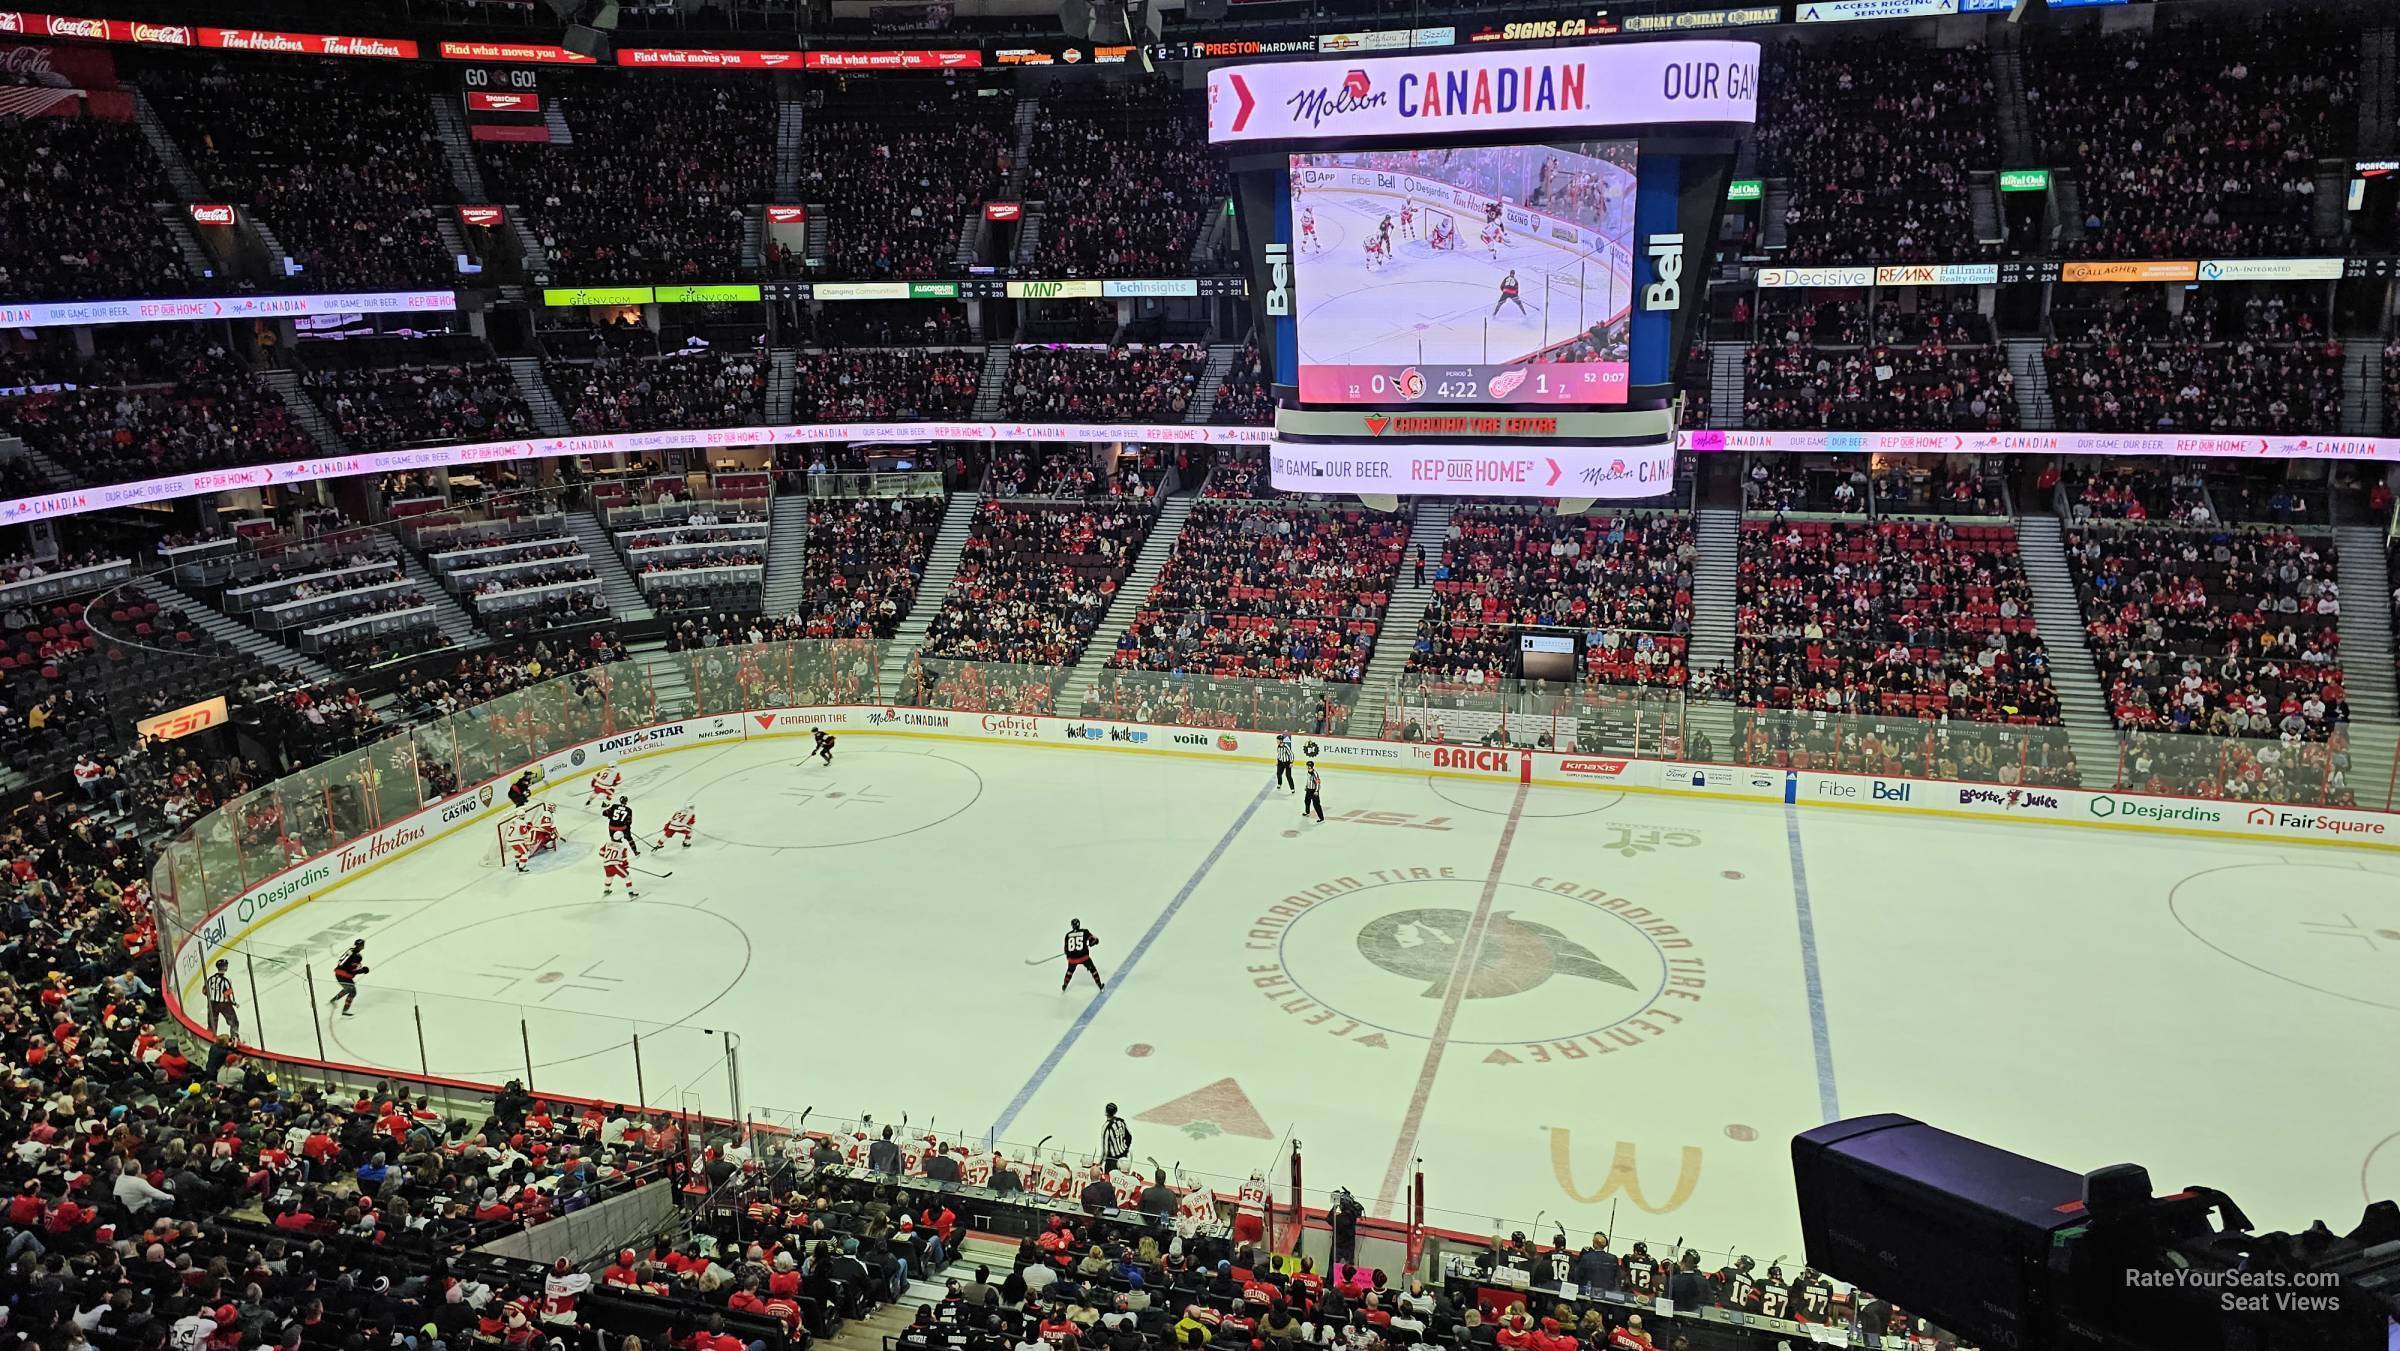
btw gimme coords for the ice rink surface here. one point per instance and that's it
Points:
(1564, 1001)
(1429, 305)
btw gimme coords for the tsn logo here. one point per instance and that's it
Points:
(183, 722)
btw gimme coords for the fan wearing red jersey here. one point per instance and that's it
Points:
(616, 862)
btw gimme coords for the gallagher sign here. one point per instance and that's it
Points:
(1709, 81)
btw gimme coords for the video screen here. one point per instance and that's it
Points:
(1464, 275)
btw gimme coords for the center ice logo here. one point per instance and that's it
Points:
(1517, 955)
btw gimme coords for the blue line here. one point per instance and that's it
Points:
(1158, 926)
(1828, 1101)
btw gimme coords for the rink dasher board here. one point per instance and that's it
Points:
(229, 923)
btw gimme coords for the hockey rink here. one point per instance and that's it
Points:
(1609, 1009)
(1439, 306)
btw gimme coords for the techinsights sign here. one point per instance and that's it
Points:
(1489, 469)
(1710, 81)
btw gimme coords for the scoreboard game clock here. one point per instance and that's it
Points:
(1481, 233)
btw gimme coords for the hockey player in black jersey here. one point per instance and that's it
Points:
(619, 816)
(1079, 944)
(823, 741)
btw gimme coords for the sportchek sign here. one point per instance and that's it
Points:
(1711, 81)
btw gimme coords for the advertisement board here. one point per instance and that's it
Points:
(566, 297)
(1501, 469)
(66, 314)
(1845, 11)
(723, 293)
(2195, 444)
(1486, 93)
(182, 722)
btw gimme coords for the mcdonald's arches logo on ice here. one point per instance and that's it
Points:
(1624, 1175)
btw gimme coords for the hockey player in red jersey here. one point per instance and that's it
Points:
(605, 784)
(678, 827)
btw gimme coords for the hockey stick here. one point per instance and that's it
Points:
(647, 873)
(1046, 957)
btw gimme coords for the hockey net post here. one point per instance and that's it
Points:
(517, 832)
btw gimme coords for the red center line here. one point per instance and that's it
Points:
(1462, 974)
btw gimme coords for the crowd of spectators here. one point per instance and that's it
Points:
(1043, 470)
(897, 384)
(1876, 140)
(1623, 581)
(379, 407)
(432, 691)
(78, 220)
(889, 323)
(2185, 384)
(2229, 631)
(1243, 398)
(696, 387)
(340, 158)
(654, 185)
(865, 557)
(1094, 384)
(2196, 139)
(1240, 474)
(173, 400)
(1913, 619)
(1126, 178)
(1279, 593)
(1880, 387)
(1034, 580)
(897, 167)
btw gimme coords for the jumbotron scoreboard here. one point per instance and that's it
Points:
(1469, 268)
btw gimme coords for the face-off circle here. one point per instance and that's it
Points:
(1550, 967)
(862, 797)
(2323, 927)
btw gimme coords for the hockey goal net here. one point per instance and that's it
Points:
(1440, 229)
(521, 833)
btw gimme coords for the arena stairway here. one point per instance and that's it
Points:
(2058, 611)
(993, 384)
(787, 553)
(1727, 383)
(670, 676)
(449, 612)
(941, 567)
(197, 260)
(548, 417)
(2367, 663)
(458, 151)
(2034, 408)
(1221, 357)
(880, 1329)
(242, 638)
(625, 597)
(753, 242)
(1128, 601)
(1029, 117)
(790, 120)
(48, 473)
(286, 382)
(1396, 633)
(1715, 636)
(779, 385)
(2362, 389)
(162, 144)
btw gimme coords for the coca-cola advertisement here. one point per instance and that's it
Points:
(57, 67)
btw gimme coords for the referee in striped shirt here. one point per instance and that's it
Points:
(218, 991)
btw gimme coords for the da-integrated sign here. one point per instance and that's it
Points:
(1709, 81)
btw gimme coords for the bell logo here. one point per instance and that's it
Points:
(1666, 259)
(1471, 757)
(1279, 279)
